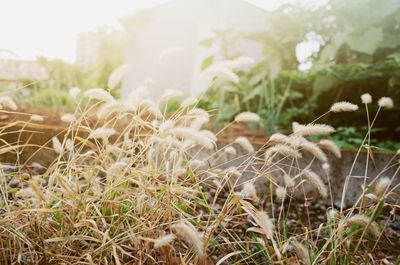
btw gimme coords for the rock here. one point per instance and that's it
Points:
(14, 183)
(395, 225)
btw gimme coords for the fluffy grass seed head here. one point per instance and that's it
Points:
(366, 98)
(209, 134)
(289, 181)
(197, 112)
(102, 133)
(301, 252)
(382, 185)
(361, 220)
(385, 102)
(170, 94)
(230, 150)
(69, 145)
(222, 73)
(117, 167)
(343, 106)
(266, 224)
(315, 180)
(57, 146)
(164, 240)
(99, 94)
(249, 191)
(189, 232)
(117, 75)
(313, 149)
(68, 118)
(247, 117)
(36, 118)
(189, 102)
(6, 101)
(281, 149)
(313, 129)
(74, 92)
(245, 144)
(280, 193)
(115, 107)
(240, 63)
(199, 122)
(331, 147)
(166, 125)
(194, 135)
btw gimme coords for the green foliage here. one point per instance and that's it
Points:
(49, 97)
(360, 52)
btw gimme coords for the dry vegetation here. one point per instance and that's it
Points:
(158, 191)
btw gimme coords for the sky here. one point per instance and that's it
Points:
(31, 28)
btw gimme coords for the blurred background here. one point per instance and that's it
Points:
(308, 55)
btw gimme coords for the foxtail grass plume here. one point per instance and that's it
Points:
(117, 167)
(249, 191)
(313, 129)
(209, 134)
(385, 102)
(280, 193)
(222, 73)
(189, 102)
(240, 63)
(99, 94)
(366, 98)
(170, 94)
(289, 181)
(102, 133)
(245, 144)
(361, 220)
(69, 145)
(301, 252)
(164, 240)
(6, 101)
(194, 135)
(315, 180)
(57, 146)
(331, 147)
(74, 92)
(198, 122)
(36, 118)
(68, 117)
(261, 218)
(313, 149)
(230, 150)
(247, 117)
(279, 138)
(281, 149)
(117, 75)
(189, 232)
(343, 106)
(197, 112)
(381, 186)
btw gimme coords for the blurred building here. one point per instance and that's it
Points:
(184, 24)
(13, 72)
(86, 48)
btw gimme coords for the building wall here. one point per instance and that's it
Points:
(12, 71)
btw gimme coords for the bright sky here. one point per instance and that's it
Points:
(50, 27)
(30, 28)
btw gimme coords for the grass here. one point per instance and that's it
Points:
(157, 190)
